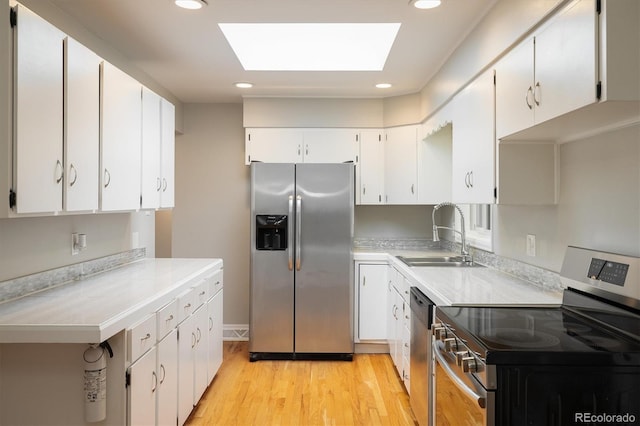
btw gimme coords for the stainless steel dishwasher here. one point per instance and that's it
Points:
(421, 362)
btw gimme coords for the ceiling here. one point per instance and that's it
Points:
(185, 52)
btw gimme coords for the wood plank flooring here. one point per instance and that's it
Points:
(366, 391)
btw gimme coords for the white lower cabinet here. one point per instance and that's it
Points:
(399, 323)
(372, 301)
(141, 390)
(215, 327)
(167, 372)
(186, 345)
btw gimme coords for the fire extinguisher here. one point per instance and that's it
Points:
(95, 381)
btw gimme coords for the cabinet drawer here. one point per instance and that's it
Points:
(201, 292)
(186, 304)
(167, 319)
(215, 283)
(141, 337)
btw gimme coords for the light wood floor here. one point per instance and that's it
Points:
(366, 391)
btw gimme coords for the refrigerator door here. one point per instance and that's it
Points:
(324, 267)
(272, 291)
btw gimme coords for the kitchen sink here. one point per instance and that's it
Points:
(455, 261)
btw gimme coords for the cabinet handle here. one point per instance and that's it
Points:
(199, 334)
(380, 198)
(164, 373)
(155, 382)
(364, 281)
(471, 179)
(306, 150)
(170, 318)
(193, 340)
(210, 323)
(364, 189)
(75, 174)
(164, 186)
(536, 92)
(107, 177)
(59, 171)
(466, 179)
(298, 150)
(202, 293)
(187, 306)
(526, 98)
(412, 189)
(147, 337)
(158, 184)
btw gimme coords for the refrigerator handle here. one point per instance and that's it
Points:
(298, 231)
(290, 233)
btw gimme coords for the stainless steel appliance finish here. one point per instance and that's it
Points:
(301, 273)
(572, 364)
(421, 360)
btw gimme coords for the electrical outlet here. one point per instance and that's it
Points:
(531, 245)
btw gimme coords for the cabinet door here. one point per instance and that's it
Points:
(167, 157)
(121, 140)
(400, 165)
(329, 145)
(274, 145)
(514, 90)
(38, 80)
(372, 302)
(565, 61)
(143, 383)
(186, 346)
(151, 127)
(473, 172)
(370, 168)
(82, 127)
(167, 371)
(200, 353)
(215, 310)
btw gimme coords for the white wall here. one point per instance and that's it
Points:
(599, 204)
(211, 216)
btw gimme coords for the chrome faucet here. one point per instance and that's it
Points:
(464, 251)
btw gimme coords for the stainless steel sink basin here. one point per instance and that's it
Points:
(456, 261)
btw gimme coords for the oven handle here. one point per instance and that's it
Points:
(481, 400)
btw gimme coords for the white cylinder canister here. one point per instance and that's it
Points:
(95, 384)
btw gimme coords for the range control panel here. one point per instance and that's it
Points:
(596, 271)
(607, 271)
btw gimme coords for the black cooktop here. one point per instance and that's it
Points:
(535, 335)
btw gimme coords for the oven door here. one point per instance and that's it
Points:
(459, 398)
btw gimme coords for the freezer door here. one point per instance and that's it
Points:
(272, 292)
(324, 267)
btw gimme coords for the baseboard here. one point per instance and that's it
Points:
(372, 348)
(235, 332)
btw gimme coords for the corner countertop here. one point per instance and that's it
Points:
(464, 286)
(95, 308)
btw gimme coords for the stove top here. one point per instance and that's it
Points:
(510, 335)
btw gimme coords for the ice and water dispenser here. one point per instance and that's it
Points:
(271, 232)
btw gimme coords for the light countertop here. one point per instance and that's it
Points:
(97, 307)
(458, 286)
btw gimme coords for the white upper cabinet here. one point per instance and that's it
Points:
(273, 145)
(158, 151)
(370, 168)
(151, 129)
(330, 145)
(400, 166)
(300, 145)
(167, 153)
(120, 149)
(82, 127)
(473, 171)
(38, 145)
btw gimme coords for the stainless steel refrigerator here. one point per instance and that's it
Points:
(301, 261)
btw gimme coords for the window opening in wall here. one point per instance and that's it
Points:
(478, 223)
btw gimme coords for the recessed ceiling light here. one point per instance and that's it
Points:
(426, 4)
(244, 85)
(383, 85)
(191, 4)
(312, 46)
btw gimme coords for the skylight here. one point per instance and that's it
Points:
(311, 47)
